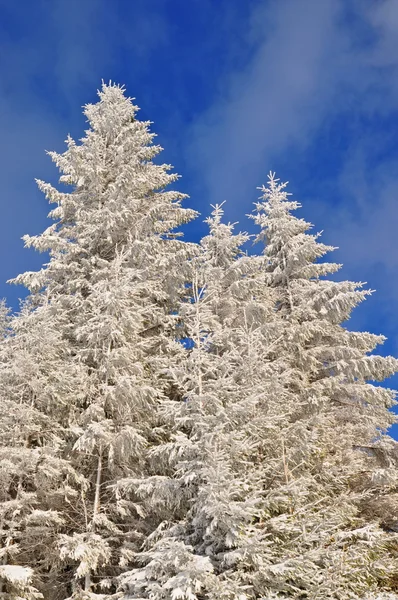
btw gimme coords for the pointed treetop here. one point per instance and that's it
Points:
(275, 193)
(112, 103)
(289, 248)
(221, 244)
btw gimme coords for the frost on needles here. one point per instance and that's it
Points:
(186, 421)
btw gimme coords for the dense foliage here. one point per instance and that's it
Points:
(186, 421)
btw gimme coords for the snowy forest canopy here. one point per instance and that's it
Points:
(185, 421)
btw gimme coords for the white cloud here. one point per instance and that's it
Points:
(278, 99)
(311, 60)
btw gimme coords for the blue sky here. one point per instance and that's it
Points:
(235, 88)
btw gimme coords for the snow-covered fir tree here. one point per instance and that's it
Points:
(85, 355)
(327, 469)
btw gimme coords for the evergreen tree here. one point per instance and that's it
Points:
(95, 330)
(209, 503)
(326, 466)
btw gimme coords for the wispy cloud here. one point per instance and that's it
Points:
(313, 60)
(277, 99)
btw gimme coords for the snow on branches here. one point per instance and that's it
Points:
(188, 421)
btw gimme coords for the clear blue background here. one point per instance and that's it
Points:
(236, 88)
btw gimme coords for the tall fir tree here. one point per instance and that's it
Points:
(328, 470)
(96, 328)
(210, 503)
